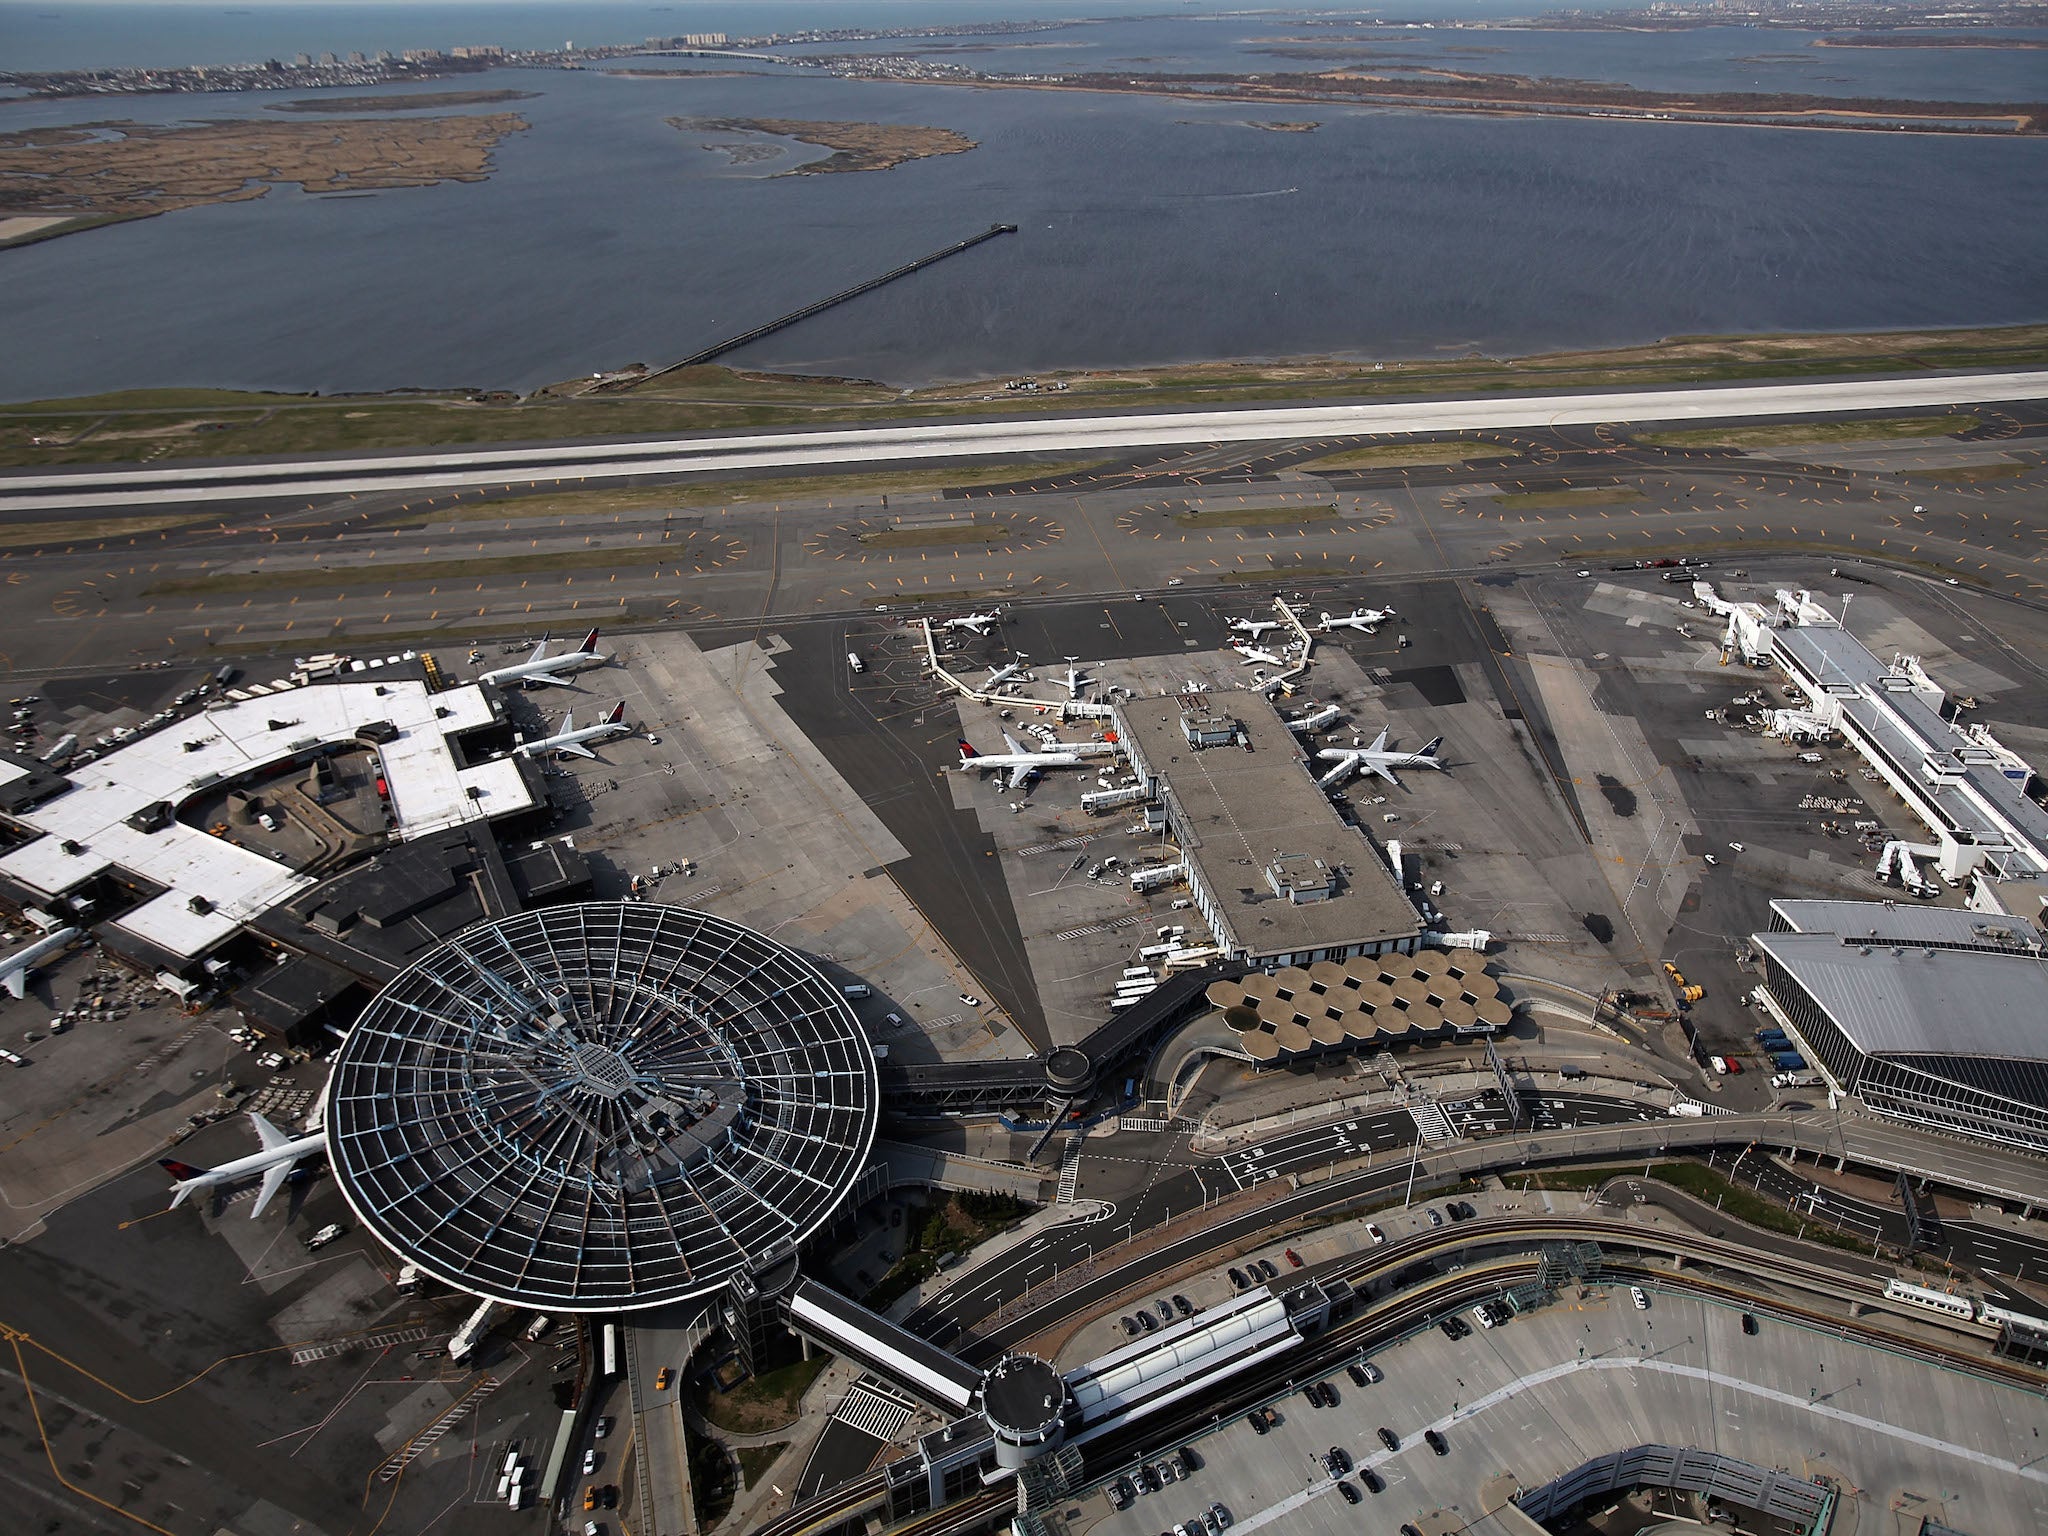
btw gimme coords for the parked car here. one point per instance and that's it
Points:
(1437, 1442)
(324, 1236)
(1372, 1230)
(1351, 1494)
(1389, 1439)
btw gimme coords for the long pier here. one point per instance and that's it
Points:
(720, 348)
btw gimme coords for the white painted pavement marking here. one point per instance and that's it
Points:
(1294, 1501)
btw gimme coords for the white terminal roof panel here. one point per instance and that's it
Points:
(1180, 1355)
(224, 745)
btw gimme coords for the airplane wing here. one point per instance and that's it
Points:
(1010, 744)
(568, 722)
(1020, 775)
(267, 1133)
(576, 749)
(1382, 770)
(17, 982)
(273, 1180)
(1379, 742)
(540, 649)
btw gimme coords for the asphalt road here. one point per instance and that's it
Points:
(365, 473)
(1144, 1179)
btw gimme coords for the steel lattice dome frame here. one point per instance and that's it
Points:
(602, 1106)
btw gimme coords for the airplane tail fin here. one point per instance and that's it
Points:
(187, 1177)
(618, 714)
(1430, 750)
(967, 752)
(589, 645)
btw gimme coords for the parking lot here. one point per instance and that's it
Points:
(1536, 1396)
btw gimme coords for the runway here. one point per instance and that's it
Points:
(591, 462)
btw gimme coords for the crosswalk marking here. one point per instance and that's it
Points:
(423, 1441)
(873, 1412)
(1111, 927)
(1070, 1171)
(306, 1354)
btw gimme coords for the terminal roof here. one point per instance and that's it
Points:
(1908, 1000)
(1245, 806)
(87, 830)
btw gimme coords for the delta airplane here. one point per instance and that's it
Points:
(1019, 767)
(1000, 675)
(279, 1156)
(980, 623)
(571, 740)
(15, 969)
(541, 669)
(1075, 680)
(1376, 759)
(1253, 656)
(1366, 619)
(1255, 627)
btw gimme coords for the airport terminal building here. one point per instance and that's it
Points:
(1930, 1015)
(1278, 875)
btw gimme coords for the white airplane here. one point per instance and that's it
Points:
(15, 969)
(980, 623)
(1000, 675)
(540, 668)
(570, 739)
(1255, 627)
(1253, 656)
(1075, 680)
(1366, 619)
(280, 1155)
(1019, 767)
(1375, 759)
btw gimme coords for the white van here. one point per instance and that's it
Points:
(855, 663)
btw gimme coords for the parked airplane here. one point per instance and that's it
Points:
(1366, 619)
(279, 1156)
(980, 623)
(540, 668)
(1000, 675)
(1075, 680)
(1019, 767)
(1255, 627)
(1253, 656)
(15, 969)
(570, 739)
(1375, 759)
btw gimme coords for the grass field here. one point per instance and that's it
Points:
(936, 536)
(734, 493)
(92, 530)
(1255, 517)
(766, 1402)
(186, 423)
(391, 573)
(1286, 573)
(755, 1460)
(1784, 434)
(1403, 455)
(1970, 474)
(1576, 496)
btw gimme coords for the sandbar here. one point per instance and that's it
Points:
(855, 146)
(91, 174)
